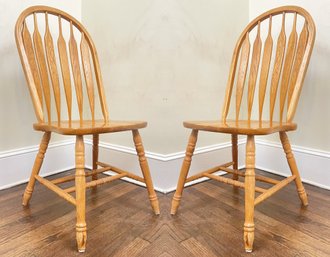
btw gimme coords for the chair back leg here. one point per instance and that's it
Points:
(184, 170)
(145, 171)
(80, 181)
(95, 154)
(249, 194)
(36, 168)
(293, 167)
(234, 151)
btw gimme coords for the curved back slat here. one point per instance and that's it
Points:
(267, 54)
(290, 53)
(73, 49)
(284, 64)
(51, 60)
(88, 73)
(254, 71)
(242, 73)
(64, 62)
(29, 59)
(42, 62)
(298, 61)
(277, 67)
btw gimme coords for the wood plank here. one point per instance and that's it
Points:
(133, 248)
(197, 249)
(210, 215)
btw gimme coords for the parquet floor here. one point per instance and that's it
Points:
(120, 223)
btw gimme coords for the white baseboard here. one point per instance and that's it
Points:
(164, 168)
(313, 164)
(16, 164)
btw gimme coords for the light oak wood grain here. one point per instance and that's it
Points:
(286, 67)
(40, 64)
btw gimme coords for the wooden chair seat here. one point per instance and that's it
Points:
(88, 126)
(242, 127)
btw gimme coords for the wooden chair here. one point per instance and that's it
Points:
(287, 68)
(45, 68)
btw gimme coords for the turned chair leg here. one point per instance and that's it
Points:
(234, 152)
(145, 171)
(184, 171)
(95, 153)
(293, 167)
(36, 168)
(249, 194)
(81, 235)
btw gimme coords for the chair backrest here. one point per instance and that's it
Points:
(43, 65)
(283, 63)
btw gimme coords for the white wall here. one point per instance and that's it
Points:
(165, 61)
(16, 111)
(313, 113)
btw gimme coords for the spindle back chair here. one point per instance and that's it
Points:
(60, 66)
(262, 67)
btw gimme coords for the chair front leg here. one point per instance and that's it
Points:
(95, 154)
(145, 171)
(80, 181)
(184, 171)
(36, 168)
(293, 167)
(249, 194)
(234, 151)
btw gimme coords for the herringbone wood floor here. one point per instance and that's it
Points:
(120, 223)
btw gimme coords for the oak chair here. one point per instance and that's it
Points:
(46, 71)
(268, 67)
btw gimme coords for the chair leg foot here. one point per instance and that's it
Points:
(184, 171)
(26, 197)
(303, 196)
(175, 204)
(146, 171)
(248, 237)
(81, 237)
(154, 204)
